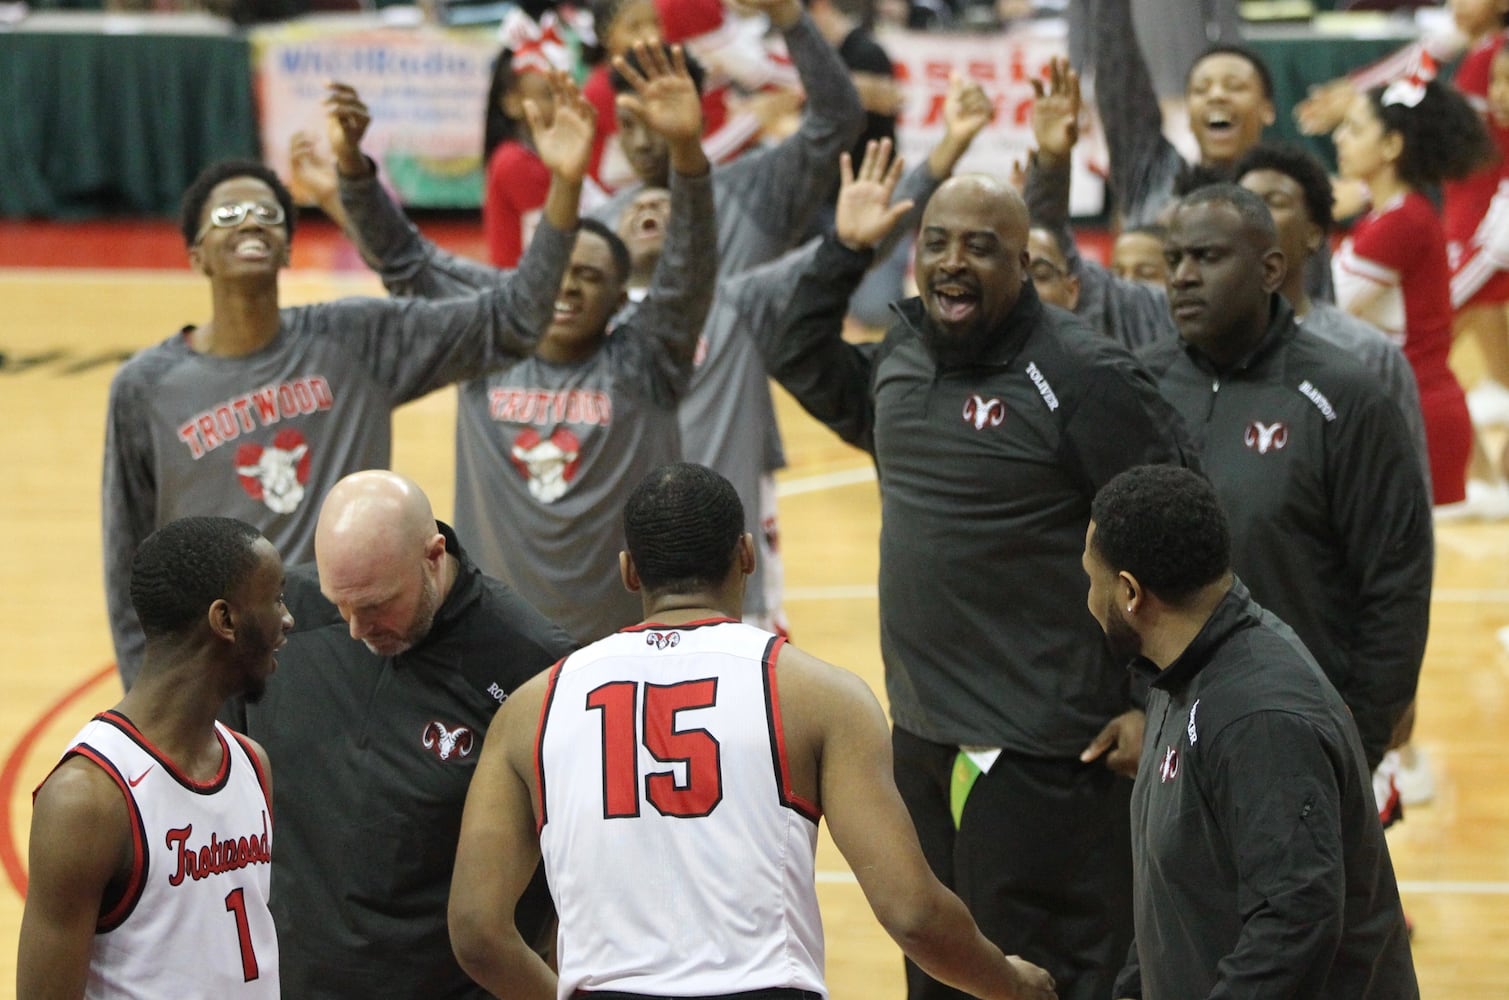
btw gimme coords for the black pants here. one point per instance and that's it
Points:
(1042, 858)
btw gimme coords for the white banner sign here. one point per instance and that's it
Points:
(1004, 63)
(425, 86)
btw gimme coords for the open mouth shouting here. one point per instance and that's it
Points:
(955, 303)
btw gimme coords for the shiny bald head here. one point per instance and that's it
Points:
(971, 263)
(381, 559)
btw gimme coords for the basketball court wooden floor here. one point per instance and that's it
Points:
(63, 330)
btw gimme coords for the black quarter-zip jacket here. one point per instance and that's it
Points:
(371, 759)
(986, 474)
(1260, 866)
(1311, 461)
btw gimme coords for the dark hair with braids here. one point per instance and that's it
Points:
(185, 566)
(192, 206)
(681, 526)
(1164, 525)
(1300, 166)
(1444, 138)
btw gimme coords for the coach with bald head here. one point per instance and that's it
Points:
(375, 719)
(992, 419)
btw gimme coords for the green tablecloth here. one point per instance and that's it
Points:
(1298, 59)
(98, 122)
(95, 124)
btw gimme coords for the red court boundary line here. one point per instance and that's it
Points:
(10, 857)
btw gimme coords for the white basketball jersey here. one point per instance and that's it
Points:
(193, 921)
(680, 859)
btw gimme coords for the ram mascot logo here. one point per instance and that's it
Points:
(662, 640)
(984, 413)
(275, 474)
(445, 743)
(1263, 438)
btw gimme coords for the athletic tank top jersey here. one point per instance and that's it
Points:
(680, 860)
(193, 921)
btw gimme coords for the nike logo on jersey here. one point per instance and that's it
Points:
(133, 782)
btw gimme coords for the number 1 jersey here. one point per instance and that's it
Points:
(192, 923)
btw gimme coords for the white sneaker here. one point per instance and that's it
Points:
(1485, 502)
(1489, 501)
(1413, 779)
(1488, 402)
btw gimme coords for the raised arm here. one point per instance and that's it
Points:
(807, 353)
(1129, 311)
(872, 829)
(966, 112)
(1143, 163)
(662, 332)
(1056, 108)
(80, 845)
(411, 265)
(788, 182)
(128, 509)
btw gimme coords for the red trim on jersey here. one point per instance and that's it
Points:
(789, 798)
(256, 763)
(114, 914)
(699, 623)
(216, 783)
(539, 744)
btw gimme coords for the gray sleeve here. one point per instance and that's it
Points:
(1143, 163)
(782, 186)
(1128, 311)
(663, 330)
(414, 346)
(1047, 197)
(411, 265)
(1136, 313)
(128, 506)
(918, 184)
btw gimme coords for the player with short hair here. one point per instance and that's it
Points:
(151, 840)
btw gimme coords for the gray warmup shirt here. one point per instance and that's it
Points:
(766, 200)
(546, 454)
(262, 437)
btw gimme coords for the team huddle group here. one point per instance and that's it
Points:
(1156, 552)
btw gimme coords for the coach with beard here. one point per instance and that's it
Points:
(992, 419)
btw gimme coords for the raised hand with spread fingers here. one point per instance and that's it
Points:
(865, 214)
(665, 99)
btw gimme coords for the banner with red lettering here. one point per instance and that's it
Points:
(1004, 63)
(426, 87)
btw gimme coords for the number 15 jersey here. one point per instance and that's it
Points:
(680, 858)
